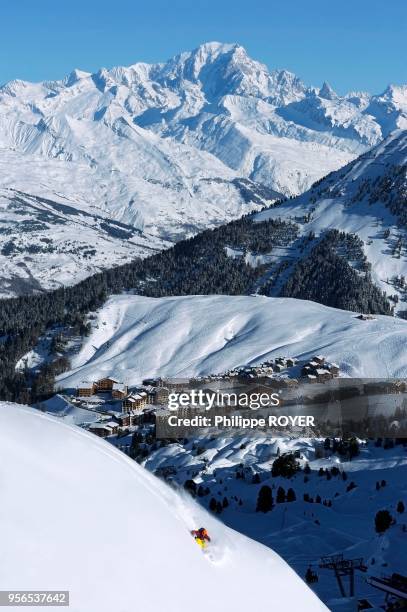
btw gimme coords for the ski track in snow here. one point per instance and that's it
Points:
(68, 539)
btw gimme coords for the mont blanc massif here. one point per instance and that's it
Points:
(203, 219)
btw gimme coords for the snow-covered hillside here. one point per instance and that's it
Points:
(135, 337)
(78, 515)
(48, 243)
(368, 197)
(92, 215)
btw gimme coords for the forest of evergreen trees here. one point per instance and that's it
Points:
(198, 265)
(326, 276)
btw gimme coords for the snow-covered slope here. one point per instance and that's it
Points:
(136, 337)
(302, 531)
(63, 220)
(368, 197)
(46, 243)
(78, 515)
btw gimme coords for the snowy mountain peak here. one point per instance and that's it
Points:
(12, 88)
(218, 69)
(271, 123)
(211, 51)
(286, 87)
(104, 79)
(327, 92)
(397, 94)
(75, 76)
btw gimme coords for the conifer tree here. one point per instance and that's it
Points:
(280, 499)
(264, 499)
(383, 520)
(291, 497)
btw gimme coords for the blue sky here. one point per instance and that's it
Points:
(354, 44)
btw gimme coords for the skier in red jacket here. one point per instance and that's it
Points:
(201, 536)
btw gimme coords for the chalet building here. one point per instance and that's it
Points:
(334, 369)
(319, 369)
(105, 384)
(119, 390)
(161, 396)
(153, 393)
(113, 426)
(322, 374)
(283, 362)
(104, 429)
(100, 430)
(86, 389)
(136, 418)
(128, 404)
(279, 382)
(148, 416)
(137, 401)
(123, 420)
(129, 419)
